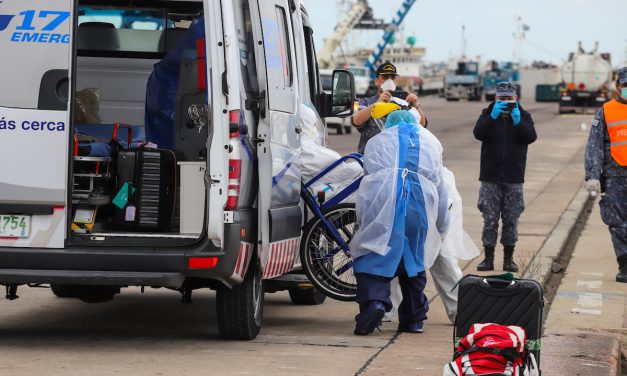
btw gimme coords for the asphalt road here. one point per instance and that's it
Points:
(154, 334)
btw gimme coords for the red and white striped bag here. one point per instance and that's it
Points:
(492, 349)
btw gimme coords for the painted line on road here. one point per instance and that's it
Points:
(590, 300)
(590, 284)
(598, 275)
(586, 311)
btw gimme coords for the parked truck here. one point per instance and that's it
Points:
(218, 208)
(586, 79)
(463, 82)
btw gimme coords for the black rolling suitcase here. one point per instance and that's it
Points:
(500, 301)
(146, 186)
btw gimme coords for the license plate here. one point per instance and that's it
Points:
(14, 226)
(583, 95)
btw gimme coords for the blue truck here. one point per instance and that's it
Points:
(463, 82)
(507, 71)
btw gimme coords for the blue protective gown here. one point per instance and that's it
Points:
(418, 201)
(162, 87)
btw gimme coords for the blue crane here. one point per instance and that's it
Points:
(388, 35)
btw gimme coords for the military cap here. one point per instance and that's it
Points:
(506, 89)
(387, 68)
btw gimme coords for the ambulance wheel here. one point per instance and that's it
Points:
(327, 266)
(63, 291)
(240, 309)
(310, 296)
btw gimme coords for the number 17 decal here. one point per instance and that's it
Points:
(29, 16)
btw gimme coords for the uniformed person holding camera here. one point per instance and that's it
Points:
(505, 130)
(385, 81)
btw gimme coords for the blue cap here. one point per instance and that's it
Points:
(506, 89)
(399, 117)
(622, 75)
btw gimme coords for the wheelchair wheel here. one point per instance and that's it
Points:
(328, 267)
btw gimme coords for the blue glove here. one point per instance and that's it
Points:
(516, 117)
(497, 110)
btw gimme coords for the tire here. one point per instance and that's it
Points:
(340, 129)
(489, 97)
(310, 296)
(348, 129)
(240, 309)
(323, 271)
(63, 291)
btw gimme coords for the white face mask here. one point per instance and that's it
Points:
(388, 85)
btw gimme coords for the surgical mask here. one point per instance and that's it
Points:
(388, 85)
(623, 92)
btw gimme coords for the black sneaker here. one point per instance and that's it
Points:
(369, 319)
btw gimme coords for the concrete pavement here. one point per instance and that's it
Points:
(153, 334)
(588, 316)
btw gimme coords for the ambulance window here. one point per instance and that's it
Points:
(246, 40)
(129, 32)
(284, 46)
(312, 64)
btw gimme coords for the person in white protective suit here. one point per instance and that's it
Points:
(402, 213)
(315, 157)
(457, 244)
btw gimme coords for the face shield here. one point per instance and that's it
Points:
(380, 112)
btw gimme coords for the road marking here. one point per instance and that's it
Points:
(590, 300)
(590, 284)
(598, 275)
(594, 365)
(586, 311)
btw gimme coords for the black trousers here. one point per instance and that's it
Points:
(374, 288)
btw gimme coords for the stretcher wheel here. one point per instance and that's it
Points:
(328, 267)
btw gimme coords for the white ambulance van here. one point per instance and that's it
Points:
(153, 143)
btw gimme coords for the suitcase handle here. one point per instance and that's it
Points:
(117, 126)
(498, 283)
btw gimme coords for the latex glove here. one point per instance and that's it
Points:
(516, 116)
(497, 110)
(593, 186)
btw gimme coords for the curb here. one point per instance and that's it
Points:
(555, 244)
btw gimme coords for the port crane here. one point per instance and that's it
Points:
(388, 35)
(360, 17)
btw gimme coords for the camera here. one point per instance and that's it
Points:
(401, 94)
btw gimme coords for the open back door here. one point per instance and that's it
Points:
(35, 40)
(280, 215)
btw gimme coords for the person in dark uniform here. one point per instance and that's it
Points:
(385, 83)
(505, 130)
(606, 169)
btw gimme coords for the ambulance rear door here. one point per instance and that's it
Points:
(36, 41)
(278, 137)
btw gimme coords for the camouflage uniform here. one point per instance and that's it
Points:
(601, 166)
(370, 128)
(504, 201)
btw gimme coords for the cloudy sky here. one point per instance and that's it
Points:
(555, 26)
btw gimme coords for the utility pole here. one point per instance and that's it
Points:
(519, 37)
(464, 43)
